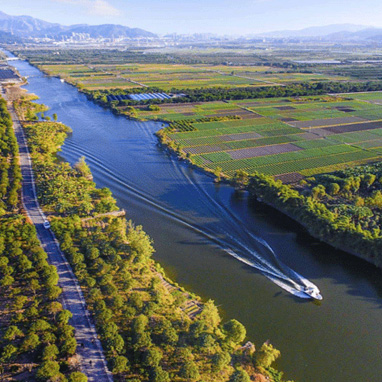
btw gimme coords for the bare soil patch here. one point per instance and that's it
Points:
(289, 119)
(344, 109)
(206, 149)
(293, 177)
(310, 136)
(327, 122)
(319, 133)
(354, 127)
(240, 136)
(261, 151)
(285, 108)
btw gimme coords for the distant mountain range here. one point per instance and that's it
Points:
(335, 32)
(26, 26)
(15, 28)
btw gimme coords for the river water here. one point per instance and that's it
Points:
(202, 230)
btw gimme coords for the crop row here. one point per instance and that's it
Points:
(234, 123)
(285, 157)
(315, 143)
(217, 157)
(309, 163)
(279, 127)
(260, 142)
(323, 161)
(239, 143)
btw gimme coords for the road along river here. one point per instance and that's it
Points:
(225, 247)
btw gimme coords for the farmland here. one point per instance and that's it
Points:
(177, 76)
(288, 138)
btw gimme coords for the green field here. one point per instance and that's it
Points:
(277, 136)
(178, 76)
(321, 141)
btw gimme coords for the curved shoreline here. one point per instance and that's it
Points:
(196, 300)
(228, 180)
(209, 173)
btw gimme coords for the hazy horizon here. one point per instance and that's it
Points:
(209, 16)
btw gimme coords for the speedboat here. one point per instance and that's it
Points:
(312, 292)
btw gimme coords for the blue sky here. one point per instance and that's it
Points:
(190, 16)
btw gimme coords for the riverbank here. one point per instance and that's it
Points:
(139, 288)
(36, 337)
(177, 150)
(276, 195)
(150, 185)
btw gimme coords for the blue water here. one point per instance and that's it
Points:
(199, 227)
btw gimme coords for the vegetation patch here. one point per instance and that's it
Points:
(36, 340)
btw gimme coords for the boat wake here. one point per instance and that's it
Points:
(229, 233)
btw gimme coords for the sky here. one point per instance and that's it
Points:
(231, 17)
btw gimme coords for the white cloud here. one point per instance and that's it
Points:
(95, 7)
(103, 8)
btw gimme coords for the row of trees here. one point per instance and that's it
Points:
(35, 335)
(353, 195)
(35, 327)
(316, 208)
(143, 327)
(10, 174)
(223, 93)
(63, 189)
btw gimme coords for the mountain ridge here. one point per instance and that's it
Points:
(317, 31)
(27, 26)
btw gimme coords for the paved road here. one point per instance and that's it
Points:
(89, 348)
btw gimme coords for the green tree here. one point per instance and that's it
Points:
(82, 167)
(152, 357)
(266, 355)
(53, 292)
(369, 179)
(19, 302)
(54, 307)
(239, 376)
(63, 317)
(235, 331)
(210, 314)
(189, 371)
(218, 174)
(157, 374)
(318, 192)
(8, 353)
(240, 178)
(120, 364)
(220, 361)
(139, 241)
(77, 376)
(7, 280)
(12, 333)
(69, 346)
(115, 343)
(48, 370)
(50, 353)
(153, 108)
(30, 343)
(334, 188)
(40, 325)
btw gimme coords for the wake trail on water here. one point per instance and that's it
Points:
(271, 271)
(232, 236)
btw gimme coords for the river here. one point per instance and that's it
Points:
(199, 227)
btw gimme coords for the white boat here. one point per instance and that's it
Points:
(313, 292)
(62, 80)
